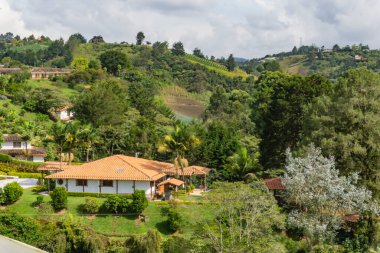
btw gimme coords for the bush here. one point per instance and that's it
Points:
(91, 205)
(139, 202)
(117, 204)
(59, 198)
(174, 220)
(2, 196)
(39, 201)
(12, 192)
(93, 194)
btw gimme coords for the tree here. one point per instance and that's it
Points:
(97, 39)
(140, 38)
(174, 220)
(336, 48)
(245, 219)
(104, 104)
(294, 50)
(27, 134)
(113, 61)
(346, 124)
(242, 163)
(178, 49)
(12, 192)
(278, 112)
(198, 52)
(58, 134)
(320, 197)
(72, 137)
(59, 198)
(179, 143)
(87, 137)
(230, 63)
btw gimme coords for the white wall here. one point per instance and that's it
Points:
(38, 159)
(9, 145)
(123, 186)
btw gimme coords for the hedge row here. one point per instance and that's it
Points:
(14, 164)
(21, 174)
(93, 194)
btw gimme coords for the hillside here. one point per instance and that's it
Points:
(313, 60)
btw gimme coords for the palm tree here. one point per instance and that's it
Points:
(58, 134)
(71, 137)
(27, 133)
(87, 138)
(242, 163)
(179, 143)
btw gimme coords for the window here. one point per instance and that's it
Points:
(81, 182)
(107, 183)
(60, 181)
(17, 144)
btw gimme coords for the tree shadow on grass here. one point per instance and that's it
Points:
(163, 228)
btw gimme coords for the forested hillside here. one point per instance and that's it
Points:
(309, 119)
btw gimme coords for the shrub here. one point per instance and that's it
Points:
(174, 220)
(12, 192)
(39, 201)
(2, 196)
(139, 202)
(59, 198)
(91, 205)
(117, 204)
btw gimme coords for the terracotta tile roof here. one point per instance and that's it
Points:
(172, 181)
(117, 167)
(274, 184)
(9, 70)
(53, 165)
(351, 218)
(20, 152)
(11, 137)
(51, 70)
(188, 171)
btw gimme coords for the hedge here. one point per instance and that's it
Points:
(22, 174)
(8, 160)
(93, 194)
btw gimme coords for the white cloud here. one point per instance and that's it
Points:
(248, 28)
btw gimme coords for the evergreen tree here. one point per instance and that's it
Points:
(230, 63)
(140, 38)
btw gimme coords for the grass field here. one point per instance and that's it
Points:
(185, 104)
(116, 225)
(216, 67)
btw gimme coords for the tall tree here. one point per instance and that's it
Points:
(113, 61)
(178, 49)
(140, 38)
(278, 112)
(347, 125)
(104, 104)
(58, 136)
(179, 143)
(198, 52)
(230, 63)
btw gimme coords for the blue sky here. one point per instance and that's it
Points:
(246, 28)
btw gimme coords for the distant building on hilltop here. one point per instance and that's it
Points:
(46, 73)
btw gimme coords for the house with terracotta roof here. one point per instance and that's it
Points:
(15, 147)
(64, 113)
(118, 174)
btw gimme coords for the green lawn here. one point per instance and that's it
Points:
(116, 226)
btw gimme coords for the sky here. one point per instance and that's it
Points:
(246, 28)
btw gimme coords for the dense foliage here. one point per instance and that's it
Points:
(12, 192)
(59, 198)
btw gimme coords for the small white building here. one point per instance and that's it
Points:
(64, 113)
(15, 147)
